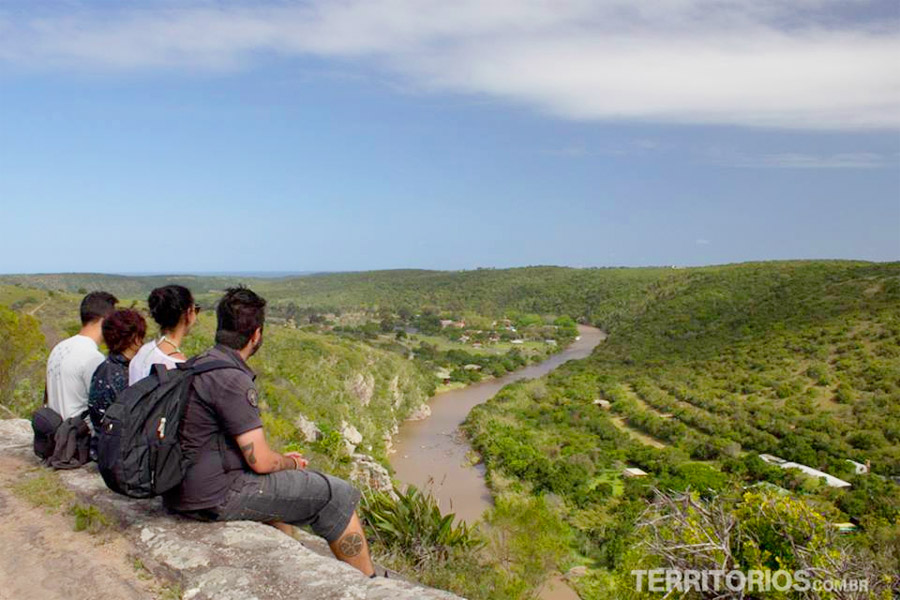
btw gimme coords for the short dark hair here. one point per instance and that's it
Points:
(122, 328)
(240, 312)
(97, 305)
(168, 303)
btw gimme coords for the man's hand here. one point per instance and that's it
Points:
(263, 459)
(298, 458)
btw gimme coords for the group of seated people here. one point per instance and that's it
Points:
(231, 472)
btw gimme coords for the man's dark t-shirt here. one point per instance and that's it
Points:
(221, 405)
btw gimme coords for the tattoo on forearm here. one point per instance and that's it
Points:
(351, 544)
(248, 452)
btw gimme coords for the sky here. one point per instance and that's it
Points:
(330, 135)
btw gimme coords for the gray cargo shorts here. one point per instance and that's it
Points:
(304, 497)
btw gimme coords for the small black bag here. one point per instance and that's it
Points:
(44, 422)
(73, 443)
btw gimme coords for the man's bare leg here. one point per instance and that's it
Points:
(352, 547)
(282, 527)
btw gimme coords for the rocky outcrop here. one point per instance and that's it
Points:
(396, 394)
(423, 411)
(352, 437)
(388, 439)
(222, 561)
(368, 472)
(308, 429)
(363, 387)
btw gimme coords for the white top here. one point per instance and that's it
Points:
(146, 357)
(71, 365)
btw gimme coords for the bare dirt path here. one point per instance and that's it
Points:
(42, 557)
(34, 310)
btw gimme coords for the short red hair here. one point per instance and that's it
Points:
(122, 328)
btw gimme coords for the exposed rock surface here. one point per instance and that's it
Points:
(309, 429)
(421, 412)
(352, 436)
(363, 387)
(222, 561)
(369, 473)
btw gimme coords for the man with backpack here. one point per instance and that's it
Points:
(61, 433)
(231, 472)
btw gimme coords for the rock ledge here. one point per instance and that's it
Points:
(238, 560)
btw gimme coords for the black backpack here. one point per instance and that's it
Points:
(139, 450)
(44, 422)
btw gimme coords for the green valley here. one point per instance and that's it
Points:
(722, 392)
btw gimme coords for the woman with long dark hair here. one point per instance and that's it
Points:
(174, 310)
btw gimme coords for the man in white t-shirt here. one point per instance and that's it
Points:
(72, 362)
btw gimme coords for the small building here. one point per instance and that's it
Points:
(550, 342)
(518, 342)
(633, 472)
(445, 323)
(443, 374)
(604, 404)
(859, 468)
(476, 344)
(830, 480)
(472, 367)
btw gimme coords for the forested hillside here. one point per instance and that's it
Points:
(798, 360)
(591, 294)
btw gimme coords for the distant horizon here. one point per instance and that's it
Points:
(310, 273)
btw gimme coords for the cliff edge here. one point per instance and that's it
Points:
(223, 561)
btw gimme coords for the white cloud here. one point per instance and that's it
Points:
(702, 242)
(770, 63)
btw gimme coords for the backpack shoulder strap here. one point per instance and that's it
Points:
(207, 366)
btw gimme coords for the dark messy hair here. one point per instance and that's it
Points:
(168, 303)
(97, 305)
(122, 328)
(239, 314)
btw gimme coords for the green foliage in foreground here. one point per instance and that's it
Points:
(507, 557)
(413, 525)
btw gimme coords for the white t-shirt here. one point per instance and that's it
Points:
(146, 357)
(71, 365)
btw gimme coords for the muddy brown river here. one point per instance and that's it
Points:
(432, 453)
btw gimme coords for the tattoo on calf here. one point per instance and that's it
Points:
(248, 452)
(351, 545)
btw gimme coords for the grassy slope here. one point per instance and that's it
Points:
(319, 376)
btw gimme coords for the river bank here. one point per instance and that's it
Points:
(433, 454)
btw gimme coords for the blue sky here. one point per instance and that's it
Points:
(296, 136)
